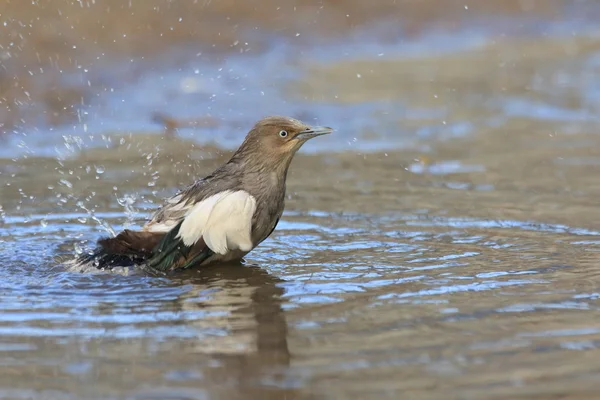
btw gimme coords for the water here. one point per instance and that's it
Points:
(441, 244)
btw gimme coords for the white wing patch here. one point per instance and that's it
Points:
(224, 220)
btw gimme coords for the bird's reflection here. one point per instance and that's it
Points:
(249, 342)
(245, 300)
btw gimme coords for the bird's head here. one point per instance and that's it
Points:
(277, 139)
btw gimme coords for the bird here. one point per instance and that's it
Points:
(218, 218)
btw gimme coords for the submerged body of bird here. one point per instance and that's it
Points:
(221, 217)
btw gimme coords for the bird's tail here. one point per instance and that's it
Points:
(127, 249)
(102, 259)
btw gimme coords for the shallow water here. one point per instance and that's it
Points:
(442, 244)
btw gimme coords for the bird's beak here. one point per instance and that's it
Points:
(313, 131)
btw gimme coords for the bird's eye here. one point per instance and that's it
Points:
(283, 133)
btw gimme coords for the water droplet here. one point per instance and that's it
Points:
(44, 223)
(99, 169)
(78, 249)
(66, 183)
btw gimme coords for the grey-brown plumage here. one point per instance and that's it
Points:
(222, 216)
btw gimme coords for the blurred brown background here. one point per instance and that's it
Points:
(42, 42)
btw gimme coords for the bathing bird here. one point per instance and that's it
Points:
(221, 217)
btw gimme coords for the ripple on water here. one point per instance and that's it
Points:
(379, 278)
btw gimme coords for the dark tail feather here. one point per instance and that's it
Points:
(153, 251)
(101, 259)
(127, 249)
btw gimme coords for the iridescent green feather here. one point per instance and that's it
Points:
(170, 249)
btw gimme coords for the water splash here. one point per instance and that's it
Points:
(102, 223)
(127, 202)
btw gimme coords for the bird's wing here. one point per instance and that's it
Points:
(217, 224)
(171, 213)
